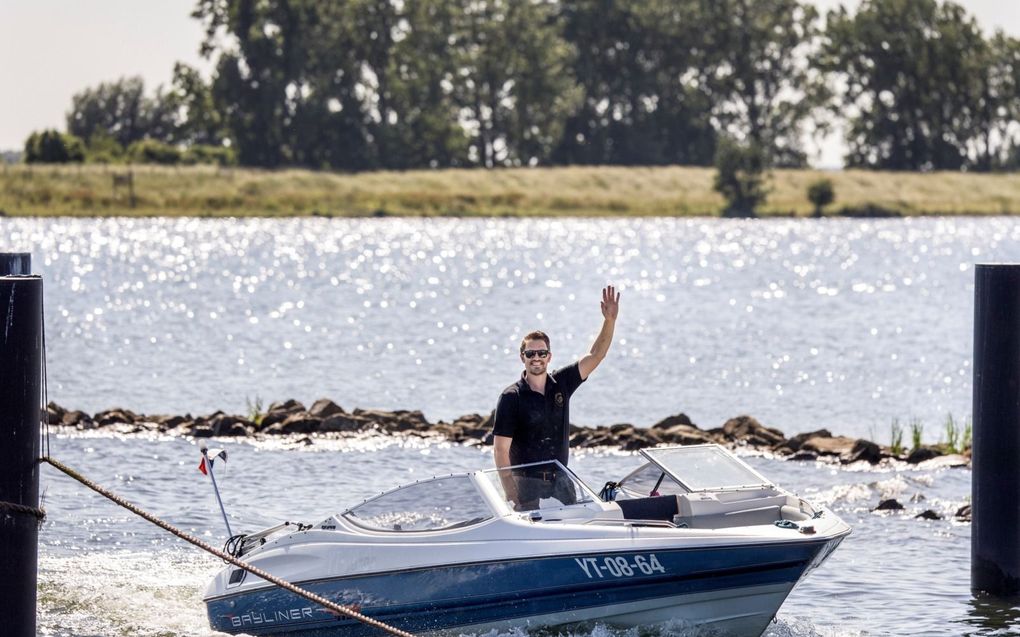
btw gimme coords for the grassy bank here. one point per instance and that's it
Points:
(575, 191)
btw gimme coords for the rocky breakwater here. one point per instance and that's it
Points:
(287, 418)
(325, 418)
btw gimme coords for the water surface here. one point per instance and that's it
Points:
(842, 324)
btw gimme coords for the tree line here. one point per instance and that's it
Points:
(399, 84)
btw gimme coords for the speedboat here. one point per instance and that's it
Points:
(693, 536)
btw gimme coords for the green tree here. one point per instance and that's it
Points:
(765, 88)
(331, 123)
(394, 101)
(376, 25)
(640, 67)
(259, 82)
(53, 147)
(515, 89)
(996, 103)
(121, 110)
(200, 121)
(424, 70)
(206, 154)
(740, 177)
(101, 148)
(821, 193)
(152, 151)
(907, 70)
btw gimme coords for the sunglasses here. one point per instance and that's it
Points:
(531, 353)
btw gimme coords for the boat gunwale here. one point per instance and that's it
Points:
(800, 541)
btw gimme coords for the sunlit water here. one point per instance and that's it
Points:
(842, 324)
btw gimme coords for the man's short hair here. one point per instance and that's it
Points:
(536, 336)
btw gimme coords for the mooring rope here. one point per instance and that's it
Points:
(14, 507)
(254, 570)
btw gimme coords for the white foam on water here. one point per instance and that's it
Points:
(672, 628)
(788, 627)
(782, 627)
(129, 593)
(364, 441)
(841, 494)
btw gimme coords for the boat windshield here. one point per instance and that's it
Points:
(537, 486)
(651, 480)
(705, 467)
(433, 505)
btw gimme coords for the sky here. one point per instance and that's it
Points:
(51, 49)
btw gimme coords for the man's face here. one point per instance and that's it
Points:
(536, 365)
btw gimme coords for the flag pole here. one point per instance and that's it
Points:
(216, 489)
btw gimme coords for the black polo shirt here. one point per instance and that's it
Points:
(538, 424)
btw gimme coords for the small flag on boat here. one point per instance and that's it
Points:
(210, 455)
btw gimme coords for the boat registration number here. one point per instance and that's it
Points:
(619, 565)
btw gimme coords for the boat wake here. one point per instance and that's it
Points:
(154, 594)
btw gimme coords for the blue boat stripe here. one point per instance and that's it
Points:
(479, 593)
(618, 585)
(416, 569)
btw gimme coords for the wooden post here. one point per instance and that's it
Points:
(995, 482)
(127, 180)
(21, 412)
(15, 263)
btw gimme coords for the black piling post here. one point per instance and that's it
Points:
(15, 263)
(21, 352)
(995, 482)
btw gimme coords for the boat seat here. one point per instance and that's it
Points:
(718, 510)
(748, 517)
(659, 507)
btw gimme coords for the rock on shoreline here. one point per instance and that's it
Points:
(327, 418)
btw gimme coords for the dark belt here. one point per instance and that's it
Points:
(548, 476)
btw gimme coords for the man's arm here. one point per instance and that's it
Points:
(501, 454)
(610, 310)
(501, 450)
(504, 424)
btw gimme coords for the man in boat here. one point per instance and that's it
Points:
(532, 417)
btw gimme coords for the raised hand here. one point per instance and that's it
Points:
(610, 302)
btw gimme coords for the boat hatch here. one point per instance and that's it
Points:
(236, 577)
(431, 505)
(703, 468)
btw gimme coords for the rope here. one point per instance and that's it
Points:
(13, 507)
(254, 570)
